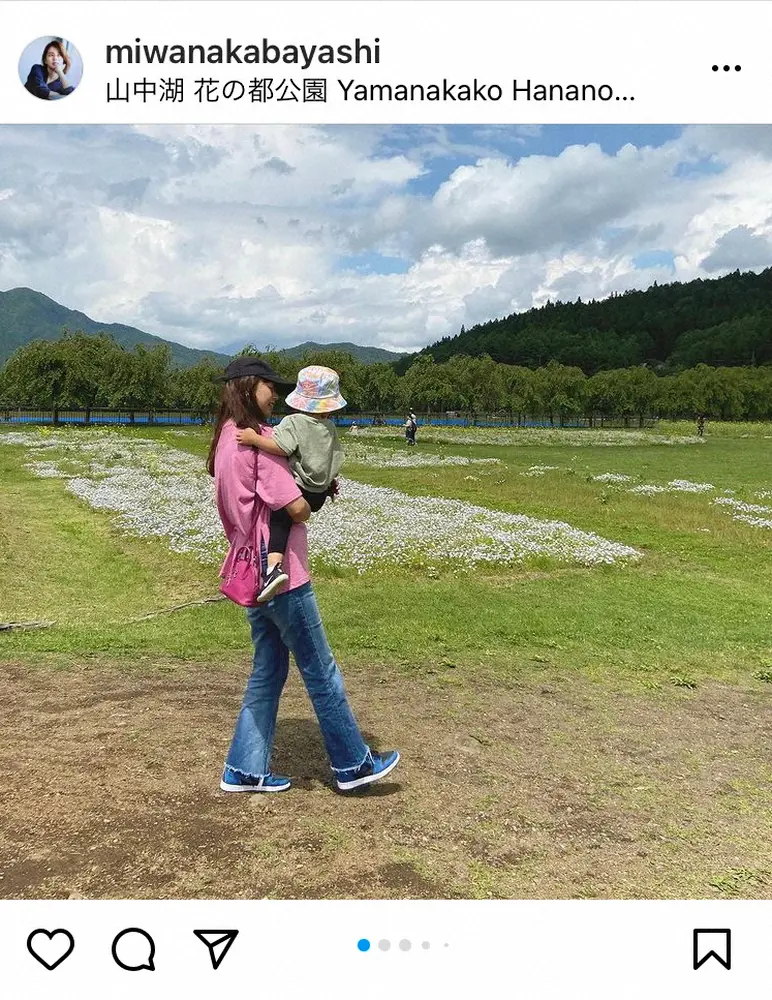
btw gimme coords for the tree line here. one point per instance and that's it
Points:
(87, 372)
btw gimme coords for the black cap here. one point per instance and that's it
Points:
(249, 365)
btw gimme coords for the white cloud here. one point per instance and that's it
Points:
(222, 235)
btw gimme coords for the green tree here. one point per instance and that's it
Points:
(716, 392)
(518, 388)
(600, 396)
(196, 388)
(34, 377)
(477, 384)
(87, 362)
(559, 390)
(423, 387)
(140, 379)
(633, 392)
(757, 393)
(379, 388)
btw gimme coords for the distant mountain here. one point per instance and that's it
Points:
(367, 355)
(27, 315)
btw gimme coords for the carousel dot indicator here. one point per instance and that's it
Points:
(363, 944)
(425, 945)
(384, 945)
(404, 945)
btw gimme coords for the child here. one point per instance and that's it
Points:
(310, 441)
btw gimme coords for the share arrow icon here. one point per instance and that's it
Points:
(218, 943)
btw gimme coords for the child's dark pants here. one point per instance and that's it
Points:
(281, 522)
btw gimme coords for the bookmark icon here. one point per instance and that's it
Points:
(710, 942)
(218, 943)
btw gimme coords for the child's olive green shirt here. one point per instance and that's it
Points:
(313, 450)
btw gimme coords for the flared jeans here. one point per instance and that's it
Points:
(291, 623)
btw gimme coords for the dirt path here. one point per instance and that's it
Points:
(552, 788)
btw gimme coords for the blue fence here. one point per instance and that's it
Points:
(191, 417)
(435, 420)
(128, 417)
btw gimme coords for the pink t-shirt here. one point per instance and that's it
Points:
(234, 476)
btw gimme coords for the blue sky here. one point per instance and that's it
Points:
(217, 236)
(517, 142)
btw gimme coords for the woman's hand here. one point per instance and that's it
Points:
(59, 67)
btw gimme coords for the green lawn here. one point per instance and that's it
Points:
(697, 604)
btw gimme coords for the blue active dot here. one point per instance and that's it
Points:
(363, 944)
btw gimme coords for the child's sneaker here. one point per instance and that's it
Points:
(271, 584)
(232, 782)
(377, 766)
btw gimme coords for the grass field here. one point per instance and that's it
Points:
(583, 710)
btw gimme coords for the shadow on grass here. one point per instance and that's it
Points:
(299, 752)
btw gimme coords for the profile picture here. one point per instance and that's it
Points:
(50, 68)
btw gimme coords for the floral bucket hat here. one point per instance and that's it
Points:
(317, 391)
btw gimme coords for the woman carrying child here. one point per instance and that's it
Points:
(249, 486)
(309, 440)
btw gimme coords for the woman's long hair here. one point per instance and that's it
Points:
(61, 50)
(237, 403)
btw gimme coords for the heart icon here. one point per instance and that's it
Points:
(50, 948)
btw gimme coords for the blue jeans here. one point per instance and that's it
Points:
(291, 623)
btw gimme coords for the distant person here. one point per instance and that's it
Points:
(309, 439)
(354, 429)
(248, 487)
(48, 80)
(411, 426)
(701, 424)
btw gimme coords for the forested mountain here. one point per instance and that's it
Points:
(722, 321)
(26, 315)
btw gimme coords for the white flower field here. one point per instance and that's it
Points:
(156, 490)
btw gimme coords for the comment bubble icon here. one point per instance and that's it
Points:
(134, 949)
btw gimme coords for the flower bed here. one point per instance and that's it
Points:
(157, 491)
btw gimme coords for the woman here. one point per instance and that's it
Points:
(49, 80)
(290, 623)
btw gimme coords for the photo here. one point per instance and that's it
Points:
(50, 68)
(413, 483)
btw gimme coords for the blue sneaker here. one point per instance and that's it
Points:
(377, 766)
(241, 783)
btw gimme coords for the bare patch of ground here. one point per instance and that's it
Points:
(552, 788)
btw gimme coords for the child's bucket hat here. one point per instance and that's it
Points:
(317, 391)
